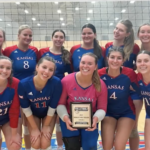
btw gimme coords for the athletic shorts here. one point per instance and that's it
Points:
(129, 115)
(147, 116)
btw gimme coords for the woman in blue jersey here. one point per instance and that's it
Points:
(143, 67)
(124, 37)
(24, 59)
(2, 40)
(144, 36)
(63, 65)
(122, 91)
(39, 95)
(90, 44)
(9, 105)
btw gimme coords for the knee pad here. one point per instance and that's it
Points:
(26, 131)
(58, 129)
(72, 143)
(134, 133)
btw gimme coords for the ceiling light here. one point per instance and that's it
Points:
(61, 19)
(116, 18)
(56, 2)
(77, 8)
(132, 2)
(9, 24)
(123, 10)
(59, 11)
(38, 24)
(88, 18)
(17, 3)
(63, 24)
(0, 19)
(93, 2)
(33, 19)
(111, 24)
(91, 11)
(26, 11)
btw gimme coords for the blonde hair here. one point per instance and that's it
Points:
(128, 41)
(23, 27)
(95, 77)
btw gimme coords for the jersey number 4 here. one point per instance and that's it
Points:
(113, 96)
(37, 105)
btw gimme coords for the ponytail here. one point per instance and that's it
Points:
(97, 49)
(65, 55)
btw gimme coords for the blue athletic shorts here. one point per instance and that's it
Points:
(129, 115)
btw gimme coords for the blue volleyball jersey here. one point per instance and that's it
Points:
(120, 95)
(24, 62)
(39, 101)
(9, 104)
(61, 67)
(128, 63)
(76, 54)
(145, 92)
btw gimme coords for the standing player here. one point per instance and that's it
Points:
(124, 38)
(82, 86)
(9, 105)
(39, 96)
(90, 44)
(24, 59)
(143, 67)
(2, 40)
(144, 36)
(120, 117)
(62, 61)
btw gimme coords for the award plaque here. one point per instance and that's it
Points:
(81, 114)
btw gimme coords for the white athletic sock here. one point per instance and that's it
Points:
(34, 149)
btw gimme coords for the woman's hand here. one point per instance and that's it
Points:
(94, 125)
(35, 133)
(46, 132)
(68, 123)
(16, 139)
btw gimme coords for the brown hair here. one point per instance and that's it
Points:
(4, 36)
(97, 49)
(95, 76)
(128, 41)
(11, 75)
(65, 52)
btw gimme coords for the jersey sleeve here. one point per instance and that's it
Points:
(7, 51)
(63, 98)
(24, 102)
(56, 95)
(14, 109)
(36, 51)
(102, 97)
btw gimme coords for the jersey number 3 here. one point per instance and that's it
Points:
(113, 96)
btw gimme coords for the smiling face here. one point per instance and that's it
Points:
(45, 70)
(88, 35)
(5, 69)
(25, 36)
(87, 65)
(120, 32)
(144, 34)
(58, 39)
(143, 63)
(115, 60)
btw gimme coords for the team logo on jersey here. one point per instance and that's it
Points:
(30, 93)
(74, 89)
(141, 83)
(79, 57)
(78, 50)
(47, 54)
(20, 96)
(104, 78)
(15, 51)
